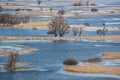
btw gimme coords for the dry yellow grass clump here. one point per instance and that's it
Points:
(112, 55)
(92, 38)
(115, 37)
(32, 25)
(93, 68)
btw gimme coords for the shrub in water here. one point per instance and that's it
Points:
(94, 10)
(70, 61)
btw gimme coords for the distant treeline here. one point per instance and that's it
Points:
(7, 18)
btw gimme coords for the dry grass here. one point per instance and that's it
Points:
(92, 38)
(32, 25)
(96, 68)
(45, 24)
(93, 68)
(93, 60)
(112, 55)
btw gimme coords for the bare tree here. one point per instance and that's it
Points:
(87, 3)
(75, 30)
(81, 31)
(58, 26)
(39, 2)
(102, 32)
(13, 57)
(78, 3)
(1, 8)
(94, 10)
(61, 12)
(51, 9)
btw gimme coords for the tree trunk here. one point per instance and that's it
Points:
(75, 34)
(55, 34)
(11, 62)
(61, 35)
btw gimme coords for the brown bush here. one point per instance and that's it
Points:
(94, 10)
(70, 61)
(93, 60)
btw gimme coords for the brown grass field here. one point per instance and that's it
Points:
(112, 55)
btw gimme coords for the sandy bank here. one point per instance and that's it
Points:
(92, 38)
(93, 68)
(112, 55)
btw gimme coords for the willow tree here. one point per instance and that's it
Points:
(58, 26)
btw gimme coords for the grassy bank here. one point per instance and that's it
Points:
(93, 68)
(112, 55)
(92, 38)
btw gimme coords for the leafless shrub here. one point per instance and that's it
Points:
(93, 60)
(1, 8)
(93, 4)
(70, 61)
(81, 31)
(87, 3)
(78, 4)
(39, 2)
(61, 12)
(75, 30)
(102, 32)
(51, 9)
(23, 9)
(76, 14)
(87, 24)
(94, 10)
(13, 57)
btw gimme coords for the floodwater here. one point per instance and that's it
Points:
(47, 61)
(43, 32)
(108, 20)
(50, 55)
